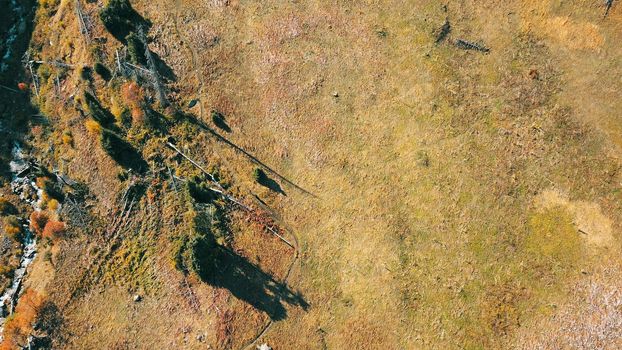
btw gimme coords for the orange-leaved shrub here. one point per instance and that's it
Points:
(54, 229)
(38, 220)
(18, 326)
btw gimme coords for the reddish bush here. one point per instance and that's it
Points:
(54, 229)
(19, 325)
(38, 221)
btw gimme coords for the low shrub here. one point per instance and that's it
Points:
(86, 73)
(67, 138)
(13, 228)
(38, 220)
(6, 207)
(53, 229)
(92, 126)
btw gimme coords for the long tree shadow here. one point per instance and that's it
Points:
(252, 158)
(163, 68)
(120, 19)
(249, 283)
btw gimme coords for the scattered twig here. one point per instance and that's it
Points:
(170, 173)
(55, 63)
(83, 28)
(211, 177)
(10, 89)
(34, 78)
(280, 237)
(468, 45)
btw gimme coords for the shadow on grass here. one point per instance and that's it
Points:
(219, 120)
(122, 152)
(271, 184)
(163, 68)
(252, 158)
(120, 19)
(249, 283)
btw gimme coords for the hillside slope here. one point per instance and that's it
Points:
(327, 175)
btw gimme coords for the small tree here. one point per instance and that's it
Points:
(54, 229)
(136, 49)
(86, 73)
(38, 220)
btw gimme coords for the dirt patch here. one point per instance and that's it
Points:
(589, 219)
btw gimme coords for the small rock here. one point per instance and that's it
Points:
(263, 346)
(137, 298)
(335, 94)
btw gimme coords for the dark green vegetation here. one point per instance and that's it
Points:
(199, 249)
(135, 49)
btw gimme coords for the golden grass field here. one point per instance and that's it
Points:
(441, 198)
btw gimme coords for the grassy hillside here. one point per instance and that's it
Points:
(426, 196)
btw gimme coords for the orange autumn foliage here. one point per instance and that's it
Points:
(53, 229)
(38, 221)
(132, 94)
(19, 325)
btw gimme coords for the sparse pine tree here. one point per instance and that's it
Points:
(135, 48)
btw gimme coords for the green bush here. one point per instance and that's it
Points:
(102, 71)
(200, 251)
(135, 49)
(6, 207)
(86, 73)
(200, 191)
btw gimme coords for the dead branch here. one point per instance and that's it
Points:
(279, 236)
(82, 23)
(55, 63)
(8, 88)
(157, 82)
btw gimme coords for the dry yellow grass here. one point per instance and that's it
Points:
(433, 223)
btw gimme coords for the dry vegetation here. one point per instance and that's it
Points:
(425, 196)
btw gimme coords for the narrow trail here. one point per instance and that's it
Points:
(193, 57)
(266, 328)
